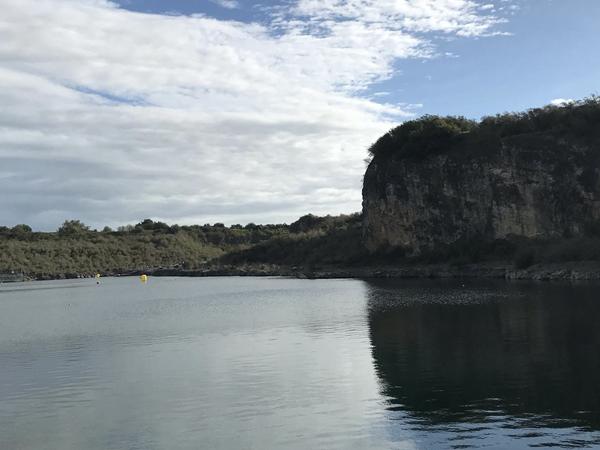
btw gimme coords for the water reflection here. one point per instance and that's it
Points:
(521, 357)
(278, 363)
(188, 363)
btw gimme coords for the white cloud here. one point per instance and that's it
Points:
(561, 101)
(112, 116)
(461, 17)
(229, 4)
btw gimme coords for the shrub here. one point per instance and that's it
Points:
(73, 227)
(434, 134)
(421, 137)
(21, 229)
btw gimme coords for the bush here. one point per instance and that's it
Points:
(21, 229)
(307, 223)
(311, 240)
(422, 137)
(73, 227)
(434, 134)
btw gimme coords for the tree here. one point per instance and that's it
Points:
(125, 228)
(21, 229)
(73, 227)
(150, 225)
(306, 223)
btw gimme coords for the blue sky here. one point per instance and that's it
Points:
(551, 50)
(196, 111)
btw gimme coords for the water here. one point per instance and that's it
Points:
(249, 363)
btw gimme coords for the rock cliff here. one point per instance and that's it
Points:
(436, 181)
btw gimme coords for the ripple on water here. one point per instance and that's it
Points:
(257, 363)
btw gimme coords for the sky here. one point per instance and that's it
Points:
(238, 111)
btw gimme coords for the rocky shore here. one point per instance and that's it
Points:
(580, 270)
(573, 271)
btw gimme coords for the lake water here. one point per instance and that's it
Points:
(272, 363)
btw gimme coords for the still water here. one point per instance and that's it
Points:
(273, 363)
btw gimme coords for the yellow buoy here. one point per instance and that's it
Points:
(97, 275)
(143, 278)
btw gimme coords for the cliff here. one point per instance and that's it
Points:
(436, 181)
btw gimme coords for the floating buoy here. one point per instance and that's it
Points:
(143, 278)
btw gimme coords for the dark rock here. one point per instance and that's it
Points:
(538, 184)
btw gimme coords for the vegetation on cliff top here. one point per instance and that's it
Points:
(432, 134)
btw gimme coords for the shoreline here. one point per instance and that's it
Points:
(573, 271)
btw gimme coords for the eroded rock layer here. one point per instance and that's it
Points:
(483, 184)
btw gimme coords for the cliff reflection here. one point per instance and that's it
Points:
(448, 353)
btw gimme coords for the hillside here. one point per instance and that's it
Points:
(76, 250)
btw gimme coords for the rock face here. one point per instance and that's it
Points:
(534, 184)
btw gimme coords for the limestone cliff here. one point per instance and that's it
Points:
(436, 181)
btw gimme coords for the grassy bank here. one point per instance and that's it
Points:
(308, 244)
(79, 250)
(75, 249)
